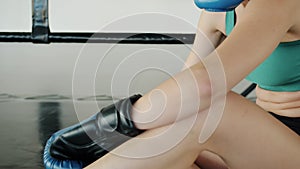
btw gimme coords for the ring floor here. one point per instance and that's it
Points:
(25, 126)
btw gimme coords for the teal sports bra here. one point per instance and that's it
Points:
(281, 70)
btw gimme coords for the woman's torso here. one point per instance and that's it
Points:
(279, 75)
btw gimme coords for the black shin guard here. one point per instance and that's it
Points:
(94, 137)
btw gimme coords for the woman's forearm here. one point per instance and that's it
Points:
(185, 94)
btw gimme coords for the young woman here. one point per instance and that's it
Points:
(250, 42)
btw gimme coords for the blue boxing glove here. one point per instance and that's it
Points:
(77, 146)
(54, 163)
(218, 5)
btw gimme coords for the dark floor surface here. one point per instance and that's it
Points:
(25, 126)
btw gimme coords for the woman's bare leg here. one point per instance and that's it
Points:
(194, 166)
(247, 137)
(180, 155)
(209, 160)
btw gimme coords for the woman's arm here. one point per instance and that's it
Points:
(149, 111)
(208, 36)
(255, 36)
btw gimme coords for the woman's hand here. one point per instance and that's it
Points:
(281, 103)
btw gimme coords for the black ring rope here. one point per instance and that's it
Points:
(41, 33)
(248, 90)
(85, 37)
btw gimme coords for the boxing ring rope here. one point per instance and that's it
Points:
(88, 37)
(41, 34)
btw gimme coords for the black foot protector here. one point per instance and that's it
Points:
(81, 144)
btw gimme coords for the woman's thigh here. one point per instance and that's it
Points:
(169, 147)
(209, 160)
(194, 166)
(246, 137)
(249, 137)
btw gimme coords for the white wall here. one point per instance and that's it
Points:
(93, 15)
(15, 15)
(36, 69)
